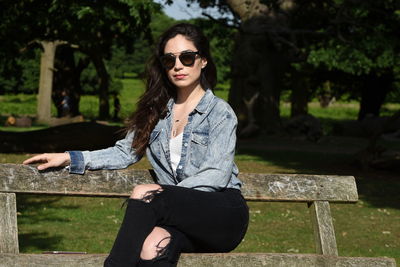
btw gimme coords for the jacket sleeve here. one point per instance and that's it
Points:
(216, 170)
(120, 156)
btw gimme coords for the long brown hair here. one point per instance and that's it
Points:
(152, 105)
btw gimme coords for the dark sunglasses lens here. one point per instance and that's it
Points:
(168, 61)
(187, 59)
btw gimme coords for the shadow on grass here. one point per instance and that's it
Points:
(42, 209)
(38, 241)
(379, 188)
(36, 212)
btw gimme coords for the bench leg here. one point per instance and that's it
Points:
(8, 223)
(324, 233)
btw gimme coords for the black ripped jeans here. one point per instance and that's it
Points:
(197, 222)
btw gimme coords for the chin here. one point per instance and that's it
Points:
(183, 84)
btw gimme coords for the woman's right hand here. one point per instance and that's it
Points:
(49, 160)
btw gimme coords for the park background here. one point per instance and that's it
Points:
(315, 85)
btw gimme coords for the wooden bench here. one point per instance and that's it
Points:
(317, 191)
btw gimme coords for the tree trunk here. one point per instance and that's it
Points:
(104, 79)
(257, 65)
(46, 81)
(67, 80)
(373, 94)
(256, 71)
(299, 97)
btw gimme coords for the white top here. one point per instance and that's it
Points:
(175, 150)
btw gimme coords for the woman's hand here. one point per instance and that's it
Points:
(50, 160)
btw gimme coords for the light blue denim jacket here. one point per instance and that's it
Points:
(208, 148)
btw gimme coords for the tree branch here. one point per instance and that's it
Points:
(28, 45)
(220, 21)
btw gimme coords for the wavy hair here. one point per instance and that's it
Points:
(152, 105)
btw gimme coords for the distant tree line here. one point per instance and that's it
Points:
(85, 64)
(70, 35)
(344, 48)
(265, 50)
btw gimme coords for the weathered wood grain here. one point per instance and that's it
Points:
(324, 233)
(212, 260)
(298, 187)
(8, 223)
(260, 187)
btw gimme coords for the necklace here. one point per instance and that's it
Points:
(175, 127)
(188, 106)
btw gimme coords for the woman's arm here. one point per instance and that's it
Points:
(49, 160)
(119, 156)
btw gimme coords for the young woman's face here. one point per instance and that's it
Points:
(181, 74)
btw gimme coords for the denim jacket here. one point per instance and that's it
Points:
(208, 148)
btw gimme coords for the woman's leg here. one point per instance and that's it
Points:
(158, 253)
(213, 221)
(139, 220)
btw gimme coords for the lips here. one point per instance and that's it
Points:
(179, 76)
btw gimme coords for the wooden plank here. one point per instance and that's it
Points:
(324, 233)
(212, 260)
(299, 187)
(8, 223)
(27, 179)
(261, 187)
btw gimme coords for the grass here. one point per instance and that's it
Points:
(337, 111)
(369, 228)
(22, 104)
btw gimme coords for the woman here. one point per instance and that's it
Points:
(188, 135)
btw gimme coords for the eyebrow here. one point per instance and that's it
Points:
(187, 50)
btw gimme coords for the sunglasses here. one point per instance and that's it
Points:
(187, 58)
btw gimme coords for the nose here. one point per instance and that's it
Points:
(178, 64)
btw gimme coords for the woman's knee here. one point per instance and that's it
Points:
(145, 192)
(156, 244)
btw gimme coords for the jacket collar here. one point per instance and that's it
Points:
(202, 106)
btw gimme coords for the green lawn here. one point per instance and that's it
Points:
(132, 88)
(369, 228)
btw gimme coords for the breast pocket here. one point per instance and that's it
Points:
(154, 145)
(198, 149)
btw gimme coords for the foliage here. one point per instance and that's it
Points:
(221, 44)
(366, 37)
(25, 104)
(87, 24)
(92, 27)
(125, 62)
(342, 41)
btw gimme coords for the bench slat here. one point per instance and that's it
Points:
(261, 187)
(190, 260)
(8, 223)
(299, 187)
(324, 233)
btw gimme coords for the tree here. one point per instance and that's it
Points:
(90, 27)
(302, 38)
(366, 46)
(265, 45)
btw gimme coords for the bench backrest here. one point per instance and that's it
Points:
(316, 190)
(17, 178)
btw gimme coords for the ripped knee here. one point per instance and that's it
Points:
(155, 247)
(146, 192)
